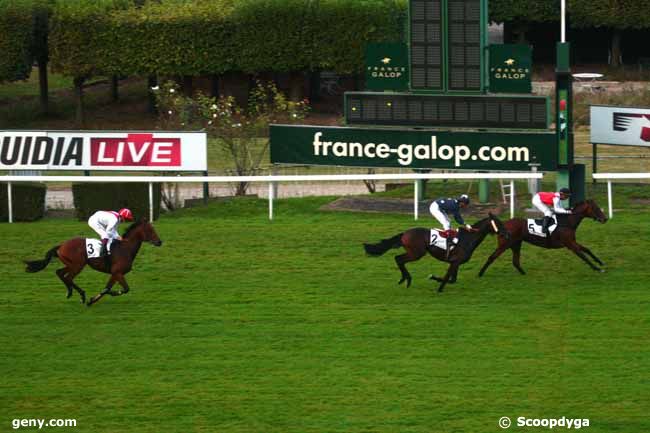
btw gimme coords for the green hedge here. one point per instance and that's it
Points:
(91, 197)
(28, 201)
(16, 39)
(192, 37)
(76, 47)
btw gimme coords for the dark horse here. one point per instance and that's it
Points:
(74, 257)
(416, 242)
(564, 236)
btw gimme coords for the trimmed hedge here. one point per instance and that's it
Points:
(28, 201)
(192, 37)
(75, 45)
(89, 198)
(16, 39)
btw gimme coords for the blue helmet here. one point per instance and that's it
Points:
(463, 199)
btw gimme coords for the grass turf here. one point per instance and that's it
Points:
(237, 324)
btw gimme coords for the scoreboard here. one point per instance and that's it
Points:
(447, 42)
(475, 111)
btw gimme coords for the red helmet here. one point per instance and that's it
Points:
(126, 214)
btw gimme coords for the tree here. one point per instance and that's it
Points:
(243, 133)
(617, 15)
(521, 13)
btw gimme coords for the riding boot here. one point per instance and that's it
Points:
(546, 224)
(104, 253)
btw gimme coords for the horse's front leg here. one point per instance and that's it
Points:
(125, 287)
(453, 269)
(577, 249)
(101, 294)
(592, 255)
(502, 246)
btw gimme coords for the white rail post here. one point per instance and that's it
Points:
(609, 198)
(151, 201)
(416, 192)
(271, 191)
(9, 204)
(512, 198)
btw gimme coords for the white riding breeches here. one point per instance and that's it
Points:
(537, 202)
(440, 216)
(101, 230)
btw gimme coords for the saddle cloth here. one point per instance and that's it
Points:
(535, 226)
(93, 248)
(439, 238)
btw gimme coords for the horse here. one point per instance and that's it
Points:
(417, 242)
(564, 236)
(72, 253)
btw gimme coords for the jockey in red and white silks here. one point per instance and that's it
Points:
(544, 200)
(105, 223)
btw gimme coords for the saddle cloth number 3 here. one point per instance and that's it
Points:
(93, 248)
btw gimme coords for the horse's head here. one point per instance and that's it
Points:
(590, 209)
(497, 227)
(143, 230)
(491, 224)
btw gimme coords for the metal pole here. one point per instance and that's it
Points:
(563, 19)
(150, 201)
(512, 198)
(206, 189)
(609, 198)
(594, 161)
(9, 204)
(271, 201)
(416, 192)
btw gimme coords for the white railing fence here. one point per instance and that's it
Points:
(272, 181)
(609, 177)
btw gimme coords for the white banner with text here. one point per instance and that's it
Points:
(88, 150)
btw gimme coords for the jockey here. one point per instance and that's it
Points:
(542, 201)
(105, 224)
(442, 208)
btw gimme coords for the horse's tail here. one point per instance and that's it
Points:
(39, 265)
(384, 245)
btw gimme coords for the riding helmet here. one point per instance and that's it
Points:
(463, 199)
(565, 191)
(126, 214)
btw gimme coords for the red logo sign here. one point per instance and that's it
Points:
(136, 150)
(624, 121)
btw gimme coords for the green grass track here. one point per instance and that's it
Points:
(237, 324)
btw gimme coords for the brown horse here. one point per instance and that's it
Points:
(74, 256)
(417, 242)
(564, 236)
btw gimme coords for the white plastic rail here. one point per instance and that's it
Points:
(609, 177)
(270, 180)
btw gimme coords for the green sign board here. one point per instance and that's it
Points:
(412, 148)
(387, 66)
(510, 68)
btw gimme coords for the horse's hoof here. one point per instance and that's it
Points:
(400, 281)
(408, 284)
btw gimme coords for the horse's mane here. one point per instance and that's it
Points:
(132, 227)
